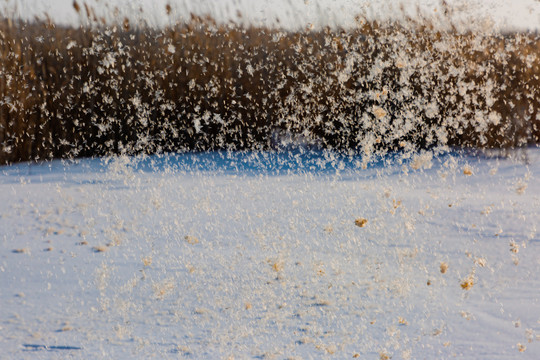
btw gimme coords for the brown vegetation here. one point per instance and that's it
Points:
(95, 91)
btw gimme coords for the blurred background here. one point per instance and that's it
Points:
(291, 14)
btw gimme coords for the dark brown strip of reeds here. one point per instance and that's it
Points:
(78, 92)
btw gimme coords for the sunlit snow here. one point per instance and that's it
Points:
(249, 256)
(269, 179)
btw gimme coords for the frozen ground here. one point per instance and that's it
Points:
(213, 256)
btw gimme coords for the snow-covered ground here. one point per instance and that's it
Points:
(215, 256)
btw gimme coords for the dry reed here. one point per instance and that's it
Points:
(197, 86)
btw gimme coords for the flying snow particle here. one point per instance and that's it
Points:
(379, 112)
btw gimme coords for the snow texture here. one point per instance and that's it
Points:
(271, 255)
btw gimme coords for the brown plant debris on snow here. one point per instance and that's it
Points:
(468, 282)
(147, 261)
(443, 267)
(100, 248)
(192, 240)
(278, 266)
(360, 222)
(514, 247)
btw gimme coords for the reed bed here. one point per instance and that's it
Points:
(199, 85)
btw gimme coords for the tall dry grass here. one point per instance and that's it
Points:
(101, 90)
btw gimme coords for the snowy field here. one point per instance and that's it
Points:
(266, 256)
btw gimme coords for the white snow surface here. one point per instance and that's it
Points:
(221, 256)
